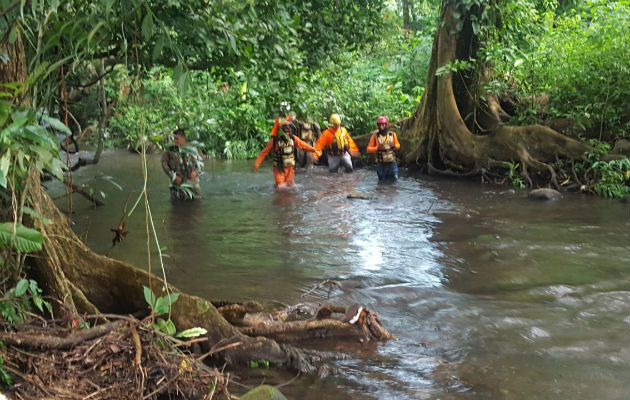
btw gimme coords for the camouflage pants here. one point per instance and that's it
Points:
(189, 190)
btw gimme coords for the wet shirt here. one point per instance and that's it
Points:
(175, 162)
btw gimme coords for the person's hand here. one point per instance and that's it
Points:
(317, 154)
(255, 169)
(178, 180)
(193, 175)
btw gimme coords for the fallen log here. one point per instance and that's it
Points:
(358, 323)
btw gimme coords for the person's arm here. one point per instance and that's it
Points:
(323, 141)
(353, 149)
(274, 130)
(396, 142)
(264, 152)
(305, 146)
(166, 167)
(372, 147)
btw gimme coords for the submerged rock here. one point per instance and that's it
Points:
(263, 392)
(545, 194)
(359, 195)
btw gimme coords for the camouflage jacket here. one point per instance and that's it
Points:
(176, 162)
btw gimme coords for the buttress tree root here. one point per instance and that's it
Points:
(454, 131)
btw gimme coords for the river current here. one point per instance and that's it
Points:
(491, 295)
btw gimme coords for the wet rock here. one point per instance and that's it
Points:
(545, 194)
(263, 392)
(360, 195)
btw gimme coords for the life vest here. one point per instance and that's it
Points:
(339, 141)
(284, 153)
(386, 155)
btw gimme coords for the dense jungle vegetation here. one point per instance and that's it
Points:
(221, 70)
(121, 74)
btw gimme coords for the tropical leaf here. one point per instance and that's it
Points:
(24, 239)
(191, 333)
(21, 287)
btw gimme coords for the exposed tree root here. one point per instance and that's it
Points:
(444, 142)
(282, 326)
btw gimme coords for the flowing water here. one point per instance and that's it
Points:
(491, 295)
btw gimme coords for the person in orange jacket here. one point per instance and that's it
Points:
(383, 142)
(339, 144)
(283, 149)
(285, 108)
(276, 123)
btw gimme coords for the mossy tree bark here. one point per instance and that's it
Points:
(14, 69)
(456, 132)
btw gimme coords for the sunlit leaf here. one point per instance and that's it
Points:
(24, 239)
(191, 333)
(5, 163)
(21, 287)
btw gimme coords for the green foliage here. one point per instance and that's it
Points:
(191, 333)
(231, 113)
(17, 301)
(514, 177)
(159, 305)
(5, 377)
(607, 178)
(19, 237)
(162, 305)
(259, 364)
(24, 143)
(614, 176)
(577, 56)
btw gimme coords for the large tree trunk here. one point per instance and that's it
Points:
(456, 133)
(14, 70)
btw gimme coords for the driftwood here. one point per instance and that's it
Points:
(358, 323)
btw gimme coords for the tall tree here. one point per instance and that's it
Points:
(460, 130)
(405, 12)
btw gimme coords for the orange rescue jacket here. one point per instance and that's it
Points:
(328, 136)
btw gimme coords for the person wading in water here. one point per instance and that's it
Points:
(283, 154)
(339, 144)
(181, 162)
(383, 143)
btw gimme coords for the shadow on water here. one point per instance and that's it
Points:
(491, 296)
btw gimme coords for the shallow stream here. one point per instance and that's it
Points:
(491, 295)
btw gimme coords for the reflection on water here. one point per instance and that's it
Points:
(492, 296)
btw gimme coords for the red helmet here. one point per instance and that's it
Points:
(382, 120)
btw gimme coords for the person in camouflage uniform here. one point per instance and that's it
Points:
(181, 162)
